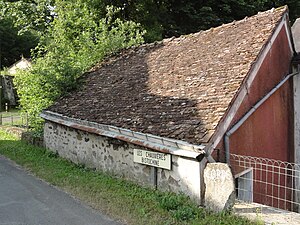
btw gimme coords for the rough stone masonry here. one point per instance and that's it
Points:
(116, 157)
(220, 188)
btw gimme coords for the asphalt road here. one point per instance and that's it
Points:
(25, 200)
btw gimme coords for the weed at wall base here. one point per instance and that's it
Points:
(120, 199)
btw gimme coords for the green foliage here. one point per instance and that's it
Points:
(75, 41)
(22, 22)
(185, 213)
(179, 206)
(28, 15)
(166, 18)
(150, 14)
(12, 44)
(171, 201)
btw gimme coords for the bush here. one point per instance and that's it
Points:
(185, 213)
(75, 41)
(179, 205)
(171, 201)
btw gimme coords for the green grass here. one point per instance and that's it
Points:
(13, 112)
(120, 199)
(18, 118)
(18, 122)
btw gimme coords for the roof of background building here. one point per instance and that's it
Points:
(22, 64)
(179, 88)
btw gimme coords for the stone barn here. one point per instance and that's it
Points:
(158, 113)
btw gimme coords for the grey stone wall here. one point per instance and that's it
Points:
(116, 157)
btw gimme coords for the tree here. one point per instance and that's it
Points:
(13, 45)
(28, 15)
(166, 18)
(76, 40)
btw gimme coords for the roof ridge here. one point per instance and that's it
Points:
(235, 22)
(130, 50)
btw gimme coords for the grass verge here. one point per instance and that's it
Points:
(11, 112)
(118, 198)
(13, 117)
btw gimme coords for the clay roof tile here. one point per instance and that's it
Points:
(177, 88)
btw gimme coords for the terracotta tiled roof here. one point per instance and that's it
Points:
(179, 88)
